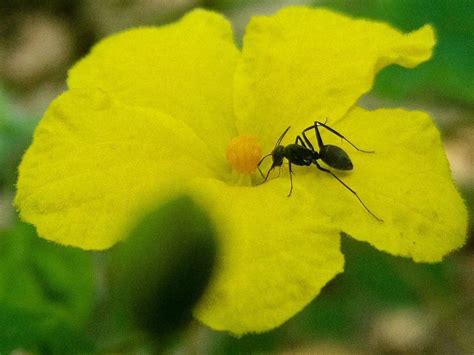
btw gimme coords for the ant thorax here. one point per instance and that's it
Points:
(299, 155)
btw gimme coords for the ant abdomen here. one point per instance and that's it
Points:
(335, 157)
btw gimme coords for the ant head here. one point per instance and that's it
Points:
(277, 156)
(277, 153)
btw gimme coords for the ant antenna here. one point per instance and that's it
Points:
(260, 163)
(281, 137)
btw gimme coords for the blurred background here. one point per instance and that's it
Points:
(53, 299)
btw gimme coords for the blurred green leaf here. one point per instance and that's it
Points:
(448, 75)
(3, 104)
(164, 266)
(468, 195)
(264, 343)
(15, 136)
(374, 281)
(46, 293)
(228, 5)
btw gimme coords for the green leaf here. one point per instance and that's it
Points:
(164, 266)
(372, 282)
(15, 135)
(228, 5)
(46, 293)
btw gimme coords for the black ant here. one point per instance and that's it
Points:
(303, 153)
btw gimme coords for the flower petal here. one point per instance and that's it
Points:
(305, 64)
(272, 260)
(184, 69)
(95, 161)
(406, 182)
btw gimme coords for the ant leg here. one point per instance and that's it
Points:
(301, 142)
(291, 181)
(308, 142)
(318, 135)
(347, 187)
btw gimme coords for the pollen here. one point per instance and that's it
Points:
(243, 154)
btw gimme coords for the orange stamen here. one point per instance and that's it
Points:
(243, 154)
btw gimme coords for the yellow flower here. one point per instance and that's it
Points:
(154, 111)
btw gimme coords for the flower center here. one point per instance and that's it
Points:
(243, 154)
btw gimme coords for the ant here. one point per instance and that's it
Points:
(302, 153)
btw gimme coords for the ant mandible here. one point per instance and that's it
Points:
(302, 153)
